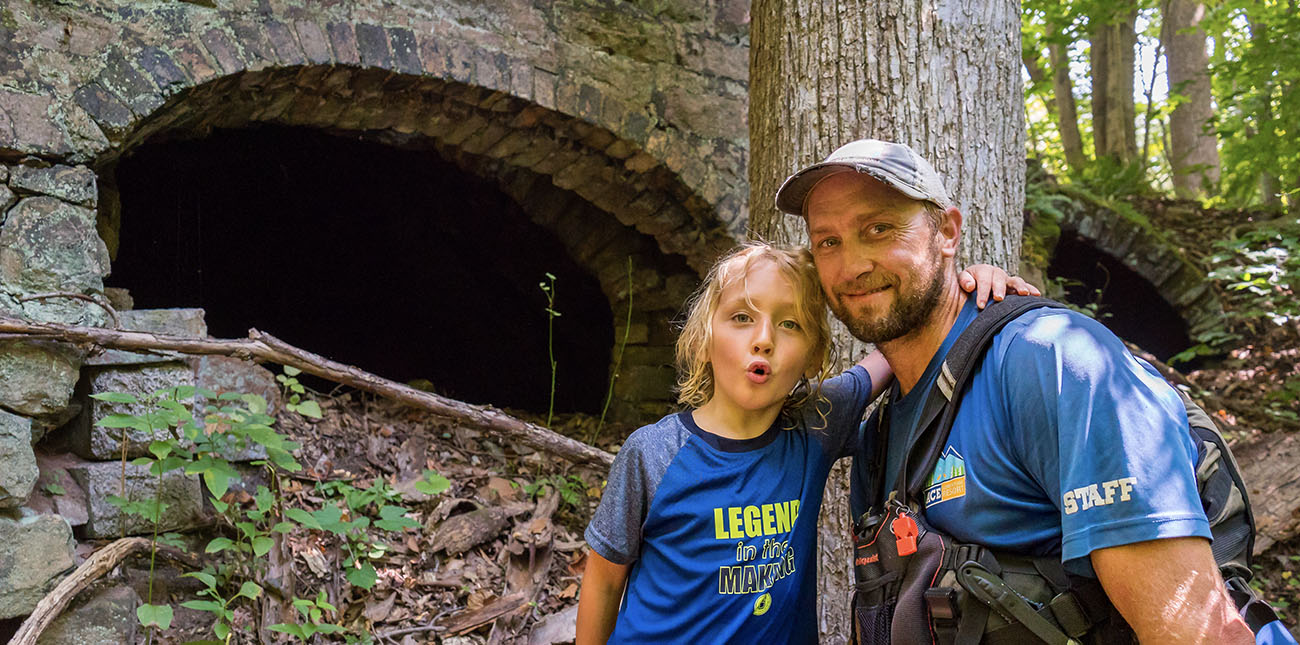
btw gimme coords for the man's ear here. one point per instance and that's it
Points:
(950, 230)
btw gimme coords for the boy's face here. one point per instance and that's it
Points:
(759, 347)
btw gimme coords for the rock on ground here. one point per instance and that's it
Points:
(35, 550)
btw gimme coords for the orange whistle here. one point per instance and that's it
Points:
(905, 532)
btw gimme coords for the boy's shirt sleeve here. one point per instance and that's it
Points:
(615, 528)
(1104, 436)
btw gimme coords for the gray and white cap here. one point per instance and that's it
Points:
(892, 163)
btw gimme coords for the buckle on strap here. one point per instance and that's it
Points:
(991, 590)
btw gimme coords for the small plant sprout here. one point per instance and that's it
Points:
(548, 288)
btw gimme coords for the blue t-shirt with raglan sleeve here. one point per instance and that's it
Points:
(1064, 443)
(721, 534)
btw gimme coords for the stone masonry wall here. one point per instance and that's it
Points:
(619, 126)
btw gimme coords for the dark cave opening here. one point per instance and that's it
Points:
(390, 259)
(1137, 312)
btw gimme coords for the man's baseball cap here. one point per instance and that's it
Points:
(894, 164)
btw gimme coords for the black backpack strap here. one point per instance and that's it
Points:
(930, 435)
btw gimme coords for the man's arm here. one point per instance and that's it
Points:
(602, 591)
(1170, 591)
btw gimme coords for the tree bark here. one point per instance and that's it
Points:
(1114, 114)
(1195, 151)
(939, 75)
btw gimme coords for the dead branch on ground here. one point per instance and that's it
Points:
(99, 563)
(263, 347)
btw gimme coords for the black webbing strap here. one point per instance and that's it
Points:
(927, 440)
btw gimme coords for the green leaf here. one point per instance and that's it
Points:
(393, 518)
(261, 545)
(302, 517)
(256, 404)
(433, 483)
(329, 628)
(282, 527)
(309, 408)
(160, 615)
(203, 605)
(249, 590)
(115, 397)
(123, 421)
(217, 545)
(292, 371)
(206, 578)
(290, 629)
(54, 489)
(363, 576)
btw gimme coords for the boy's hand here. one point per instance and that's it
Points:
(984, 279)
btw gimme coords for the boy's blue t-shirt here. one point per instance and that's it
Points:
(722, 534)
(1064, 443)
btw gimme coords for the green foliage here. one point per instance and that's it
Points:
(313, 618)
(1255, 73)
(571, 489)
(1255, 82)
(432, 484)
(232, 424)
(295, 401)
(1260, 269)
(548, 288)
(349, 512)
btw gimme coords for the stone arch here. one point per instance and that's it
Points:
(604, 199)
(1136, 245)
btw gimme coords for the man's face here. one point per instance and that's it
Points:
(879, 257)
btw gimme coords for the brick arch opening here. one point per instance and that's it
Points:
(1129, 305)
(1167, 298)
(595, 201)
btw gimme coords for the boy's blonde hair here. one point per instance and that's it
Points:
(695, 373)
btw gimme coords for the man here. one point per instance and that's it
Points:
(1057, 407)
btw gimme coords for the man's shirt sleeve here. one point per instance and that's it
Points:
(1101, 432)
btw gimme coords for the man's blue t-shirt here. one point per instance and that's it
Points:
(1064, 443)
(721, 533)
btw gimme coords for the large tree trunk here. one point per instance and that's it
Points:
(940, 75)
(1067, 113)
(1114, 114)
(1062, 105)
(1194, 152)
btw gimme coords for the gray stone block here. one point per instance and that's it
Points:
(7, 199)
(98, 616)
(182, 496)
(48, 245)
(35, 551)
(93, 442)
(17, 461)
(56, 491)
(186, 323)
(37, 379)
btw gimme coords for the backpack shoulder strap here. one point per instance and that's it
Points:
(931, 434)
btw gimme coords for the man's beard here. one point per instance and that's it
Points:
(908, 311)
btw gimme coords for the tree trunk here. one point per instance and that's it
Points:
(1195, 152)
(1114, 114)
(1067, 113)
(940, 75)
(1062, 105)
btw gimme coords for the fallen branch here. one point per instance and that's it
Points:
(263, 347)
(49, 608)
